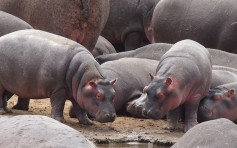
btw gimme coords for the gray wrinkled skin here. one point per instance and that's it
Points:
(10, 23)
(212, 24)
(156, 50)
(39, 131)
(129, 22)
(44, 65)
(79, 20)
(211, 134)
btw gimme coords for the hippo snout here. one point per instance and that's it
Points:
(106, 117)
(204, 114)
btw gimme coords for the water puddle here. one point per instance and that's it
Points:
(130, 145)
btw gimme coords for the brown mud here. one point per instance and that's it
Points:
(123, 129)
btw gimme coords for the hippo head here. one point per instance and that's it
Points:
(162, 96)
(96, 98)
(219, 103)
(147, 11)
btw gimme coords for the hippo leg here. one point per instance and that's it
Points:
(80, 113)
(58, 100)
(173, 119)
(191, 108)
(132, 41)
(4, 104)
(22, 104)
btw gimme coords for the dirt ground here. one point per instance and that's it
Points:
(123, 129)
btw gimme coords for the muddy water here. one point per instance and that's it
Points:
(130, 145)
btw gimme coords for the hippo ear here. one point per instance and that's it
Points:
(90, 86)
(152, 77)
(168, 81)
(230, 93)
(112, 82)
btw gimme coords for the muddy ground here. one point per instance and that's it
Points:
(123, 129)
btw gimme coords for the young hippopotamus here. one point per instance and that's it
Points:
(221, 102)
(183, 77)
(36, 64)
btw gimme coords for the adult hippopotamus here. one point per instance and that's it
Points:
(37, 64)
(79, 20)
(212, 24)
(102, 47)
(212, 134)
(157, 50)
(10, 23)
(129, 22)
(183, 77)
(39, 131)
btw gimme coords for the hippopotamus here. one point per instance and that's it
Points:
(79, 20)
(129, 22)
(39, 131)
(211, 134)
(183, 77)
(37, 64)
(219, 103)
(212, 24)
(102, 47)
(10, 23)
(157, 50)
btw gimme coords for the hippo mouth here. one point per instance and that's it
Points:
(105, 117)
(152, 114)
(204, 114)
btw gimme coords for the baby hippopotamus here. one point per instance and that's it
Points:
(221, 102)
(36, 64)
(183, 77)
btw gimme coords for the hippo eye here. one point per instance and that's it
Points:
(99, 96)
(160, 96)
(217, 98)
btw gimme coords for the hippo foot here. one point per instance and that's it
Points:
(60, 119)
(170, 126)
(189, 125)
(7, 110)
(86, 122)
(20, 107)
